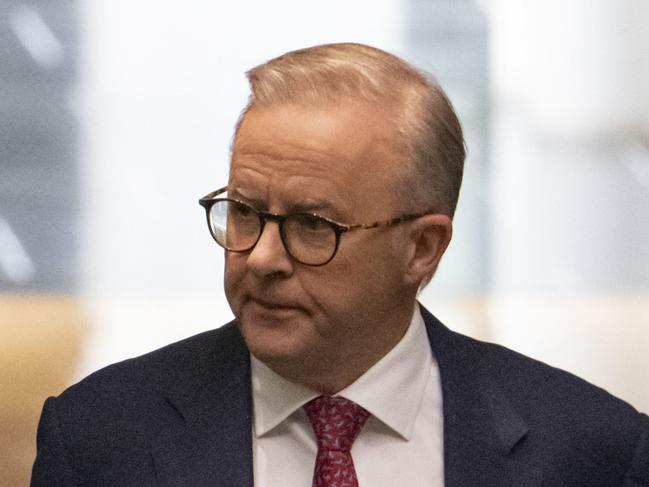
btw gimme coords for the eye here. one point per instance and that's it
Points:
(240, 211)
(311, 224)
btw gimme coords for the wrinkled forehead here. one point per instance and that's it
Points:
(351, 127)
(368, 107)
(346, 147)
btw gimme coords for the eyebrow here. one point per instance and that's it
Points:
(236, 193)
(317, 206)
(313, 206)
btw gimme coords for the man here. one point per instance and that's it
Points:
(345, 171)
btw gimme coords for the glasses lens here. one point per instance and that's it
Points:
(309, 239)
(235, 226)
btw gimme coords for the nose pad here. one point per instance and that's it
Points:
(269, 255)
(270, 233)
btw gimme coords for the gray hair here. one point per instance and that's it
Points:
(428, 131)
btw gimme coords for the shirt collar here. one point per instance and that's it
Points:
(274, 397)
(391, 390)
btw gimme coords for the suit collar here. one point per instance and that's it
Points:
(208, 441)
(481, 427)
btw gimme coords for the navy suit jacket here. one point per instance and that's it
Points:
(181, 416)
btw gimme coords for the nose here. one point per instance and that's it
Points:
(269, 256)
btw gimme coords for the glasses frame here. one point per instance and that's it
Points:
(210, 199)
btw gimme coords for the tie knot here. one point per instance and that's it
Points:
(336, 421)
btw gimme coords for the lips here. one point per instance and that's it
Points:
(274, 306)
(270, 304)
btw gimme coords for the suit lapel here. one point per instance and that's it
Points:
(209, 442)
(481, 427)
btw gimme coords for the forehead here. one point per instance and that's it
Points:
(345, 150)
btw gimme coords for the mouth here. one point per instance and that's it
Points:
(273, 306)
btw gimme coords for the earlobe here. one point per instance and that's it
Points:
(429, 238)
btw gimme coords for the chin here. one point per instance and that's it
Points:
(274, 341)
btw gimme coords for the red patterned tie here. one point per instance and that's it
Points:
(336, 422)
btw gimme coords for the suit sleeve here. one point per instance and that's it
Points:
(638, 474)
(52, 466)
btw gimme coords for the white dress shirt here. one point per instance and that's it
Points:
(401, 443)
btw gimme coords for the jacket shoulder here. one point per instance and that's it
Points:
(159, 367)
(566, 416)
(531, 380)
(99, 431)
(133, 392)
(543, 384)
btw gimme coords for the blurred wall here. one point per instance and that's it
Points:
(569, 227)
(117, 116)
(41, 319)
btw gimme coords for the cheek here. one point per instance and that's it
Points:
(232, 276)
(374, 273)
(343, 287)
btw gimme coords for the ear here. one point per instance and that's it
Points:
(428, 238)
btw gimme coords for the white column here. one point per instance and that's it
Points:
(570, 186)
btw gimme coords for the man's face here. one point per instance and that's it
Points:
(336, 161)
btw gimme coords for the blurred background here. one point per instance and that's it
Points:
(115, 117)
